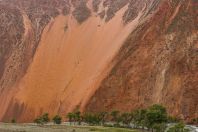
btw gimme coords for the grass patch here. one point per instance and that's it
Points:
(110, 129)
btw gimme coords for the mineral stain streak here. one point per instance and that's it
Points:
(96, 55)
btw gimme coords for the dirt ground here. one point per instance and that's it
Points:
(7, 127)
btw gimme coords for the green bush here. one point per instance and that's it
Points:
(161, 127)
(126, 118)
(57, 119)
(74, 117)
(102, 116)
(13, 121)
(43, 119)
(38, 121)
(195, 120)
(115, 115)
(91, 118)
(139, 118)
(78, 117)
(71, 117)
(179, 127)
(155, 114)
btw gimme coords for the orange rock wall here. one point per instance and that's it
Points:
(157, 64)
(97, 55)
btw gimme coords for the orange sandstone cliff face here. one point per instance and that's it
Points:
(94, 55)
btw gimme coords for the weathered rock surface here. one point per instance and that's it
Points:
(157, 64)
(96, 55)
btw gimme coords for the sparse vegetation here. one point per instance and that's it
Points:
(78, 117)
(91, 119)
(126, 118)
(70, 117)
(139, 118)
(43, 119)
(154, 118)
(179, 127)
(103, 116)
(13, 121)
(116, 117)
(57, 119)
(195, 120)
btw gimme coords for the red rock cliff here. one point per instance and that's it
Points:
(95, 55)
(157, 64)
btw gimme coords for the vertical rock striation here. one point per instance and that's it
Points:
(157, 64)
(96, 55)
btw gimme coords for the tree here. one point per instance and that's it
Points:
(91, 118)
(195, 120)
(116, 118)
(115, 115)
(38, 121)
(57, 119)
(43, 119)
(179, 127)
(13, 121)
(102, 117)
(77, 117)
(139, 118)
(159, 127)
(71, 117)
(156, 114)
(126, 118)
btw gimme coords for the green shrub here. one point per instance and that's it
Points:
(74, 117)
(71, 117)
(78, 117)
(195, 120)
(155, 114)
(13, 121)
(115, 115)
(179, 127)
(91, 118)
(102, 116)
(126, 118)
(38, 121)
(161, 127)
(139, 118)
(57, 119)
(43, 119)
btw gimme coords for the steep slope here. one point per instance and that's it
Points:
(95, 55)
(157, 64)
(22, 23)
(72, 44)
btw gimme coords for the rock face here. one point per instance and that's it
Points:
(94, 55)
(157, 64)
